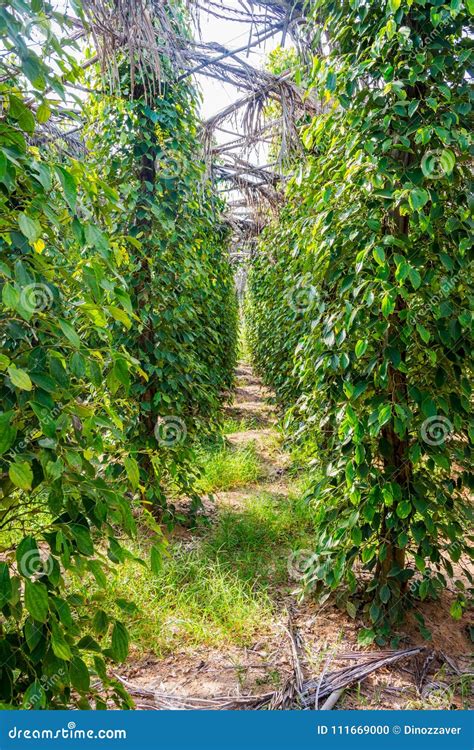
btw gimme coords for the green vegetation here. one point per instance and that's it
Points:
(225, 467)
(358, 312)
(216, 589)
(117, 336)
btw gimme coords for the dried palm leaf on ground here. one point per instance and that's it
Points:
(297, 693)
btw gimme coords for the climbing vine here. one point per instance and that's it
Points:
(178, 273)
(116, 314)
(373, 254)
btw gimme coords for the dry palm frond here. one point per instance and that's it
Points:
(297, 692)
(143, 30)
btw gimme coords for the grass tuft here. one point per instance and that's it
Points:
(218, 589)
(225, 467)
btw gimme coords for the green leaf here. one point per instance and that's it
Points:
(97, 239)
(10, 296)
(361, 348)
(120, 642)
(388, 305)
(28, 557)
(456, 610)
(365, 636)
(424, 589)
(7, 432)
(447, 161)
(70, 333)
(100, 622)
(43, 113)
(118, 314)
(60, 647)
(418, 198)
(34, 697)
(356, 535)
(83, 539)
(331, 81)
(5, 585)
(404, 509)
(385, 414)
(29, 227)
(424, 333)
(133, 472)
(379, 255)
(36, 600)
(374, 611)
(68, 185)
(21, 474)
(414, 277)
(20, 378)
(384, 594)
(79, 675)
(155, 559)
(394, 5)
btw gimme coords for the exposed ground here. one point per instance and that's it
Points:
(230, 637)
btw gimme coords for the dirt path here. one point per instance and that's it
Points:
(325, 631)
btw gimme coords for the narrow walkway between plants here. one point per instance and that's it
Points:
(226, 618)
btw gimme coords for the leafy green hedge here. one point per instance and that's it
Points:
(374, 248)
(117, 339)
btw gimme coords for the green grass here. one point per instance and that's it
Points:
(257, 541)
(195, 600)
(231, 425)
(225, 467)
(218, 589)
